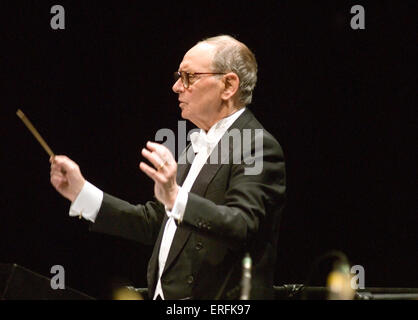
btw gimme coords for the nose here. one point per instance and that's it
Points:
(178, 86)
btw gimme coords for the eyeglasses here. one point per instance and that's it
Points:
(187, 76)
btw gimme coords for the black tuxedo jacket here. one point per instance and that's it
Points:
(228, 213)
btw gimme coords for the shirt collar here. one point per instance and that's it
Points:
(220, 127)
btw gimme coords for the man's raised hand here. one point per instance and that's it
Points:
(163, 173)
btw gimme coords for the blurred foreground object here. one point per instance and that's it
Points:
(126, 293)
(339, 282)
(246, 277)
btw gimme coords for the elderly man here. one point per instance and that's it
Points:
(209, 214)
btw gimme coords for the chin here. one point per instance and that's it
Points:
(184, 114)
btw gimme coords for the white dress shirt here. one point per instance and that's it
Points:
(88, 202)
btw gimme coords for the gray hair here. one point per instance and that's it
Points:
(233, 56)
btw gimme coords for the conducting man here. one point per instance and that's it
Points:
(219, 201)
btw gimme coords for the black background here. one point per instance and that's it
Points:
(341, 102)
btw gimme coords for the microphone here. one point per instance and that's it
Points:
(246, 277)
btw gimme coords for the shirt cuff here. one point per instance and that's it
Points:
(88, 202)
(179, 205)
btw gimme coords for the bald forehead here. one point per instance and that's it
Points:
(200, 56)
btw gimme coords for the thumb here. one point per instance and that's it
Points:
(65, 164)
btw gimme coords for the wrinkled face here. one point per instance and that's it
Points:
(201, 101)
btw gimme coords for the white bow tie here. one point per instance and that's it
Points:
(201, 142)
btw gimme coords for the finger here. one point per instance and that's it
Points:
(58, 158)
(153, 146)
(57, 174)
(57, 168)
(58, 181)
(65, 164)
(154, 158)
(152, 173)
(161, 150)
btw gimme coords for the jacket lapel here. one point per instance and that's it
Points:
(209, 170)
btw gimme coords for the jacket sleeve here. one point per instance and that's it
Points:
(135, 222)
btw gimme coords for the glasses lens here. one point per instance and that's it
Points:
(184, 78)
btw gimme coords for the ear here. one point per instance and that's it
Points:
(231, 82)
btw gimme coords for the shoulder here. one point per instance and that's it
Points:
(269, 142)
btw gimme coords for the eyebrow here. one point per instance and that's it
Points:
(184, 69)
